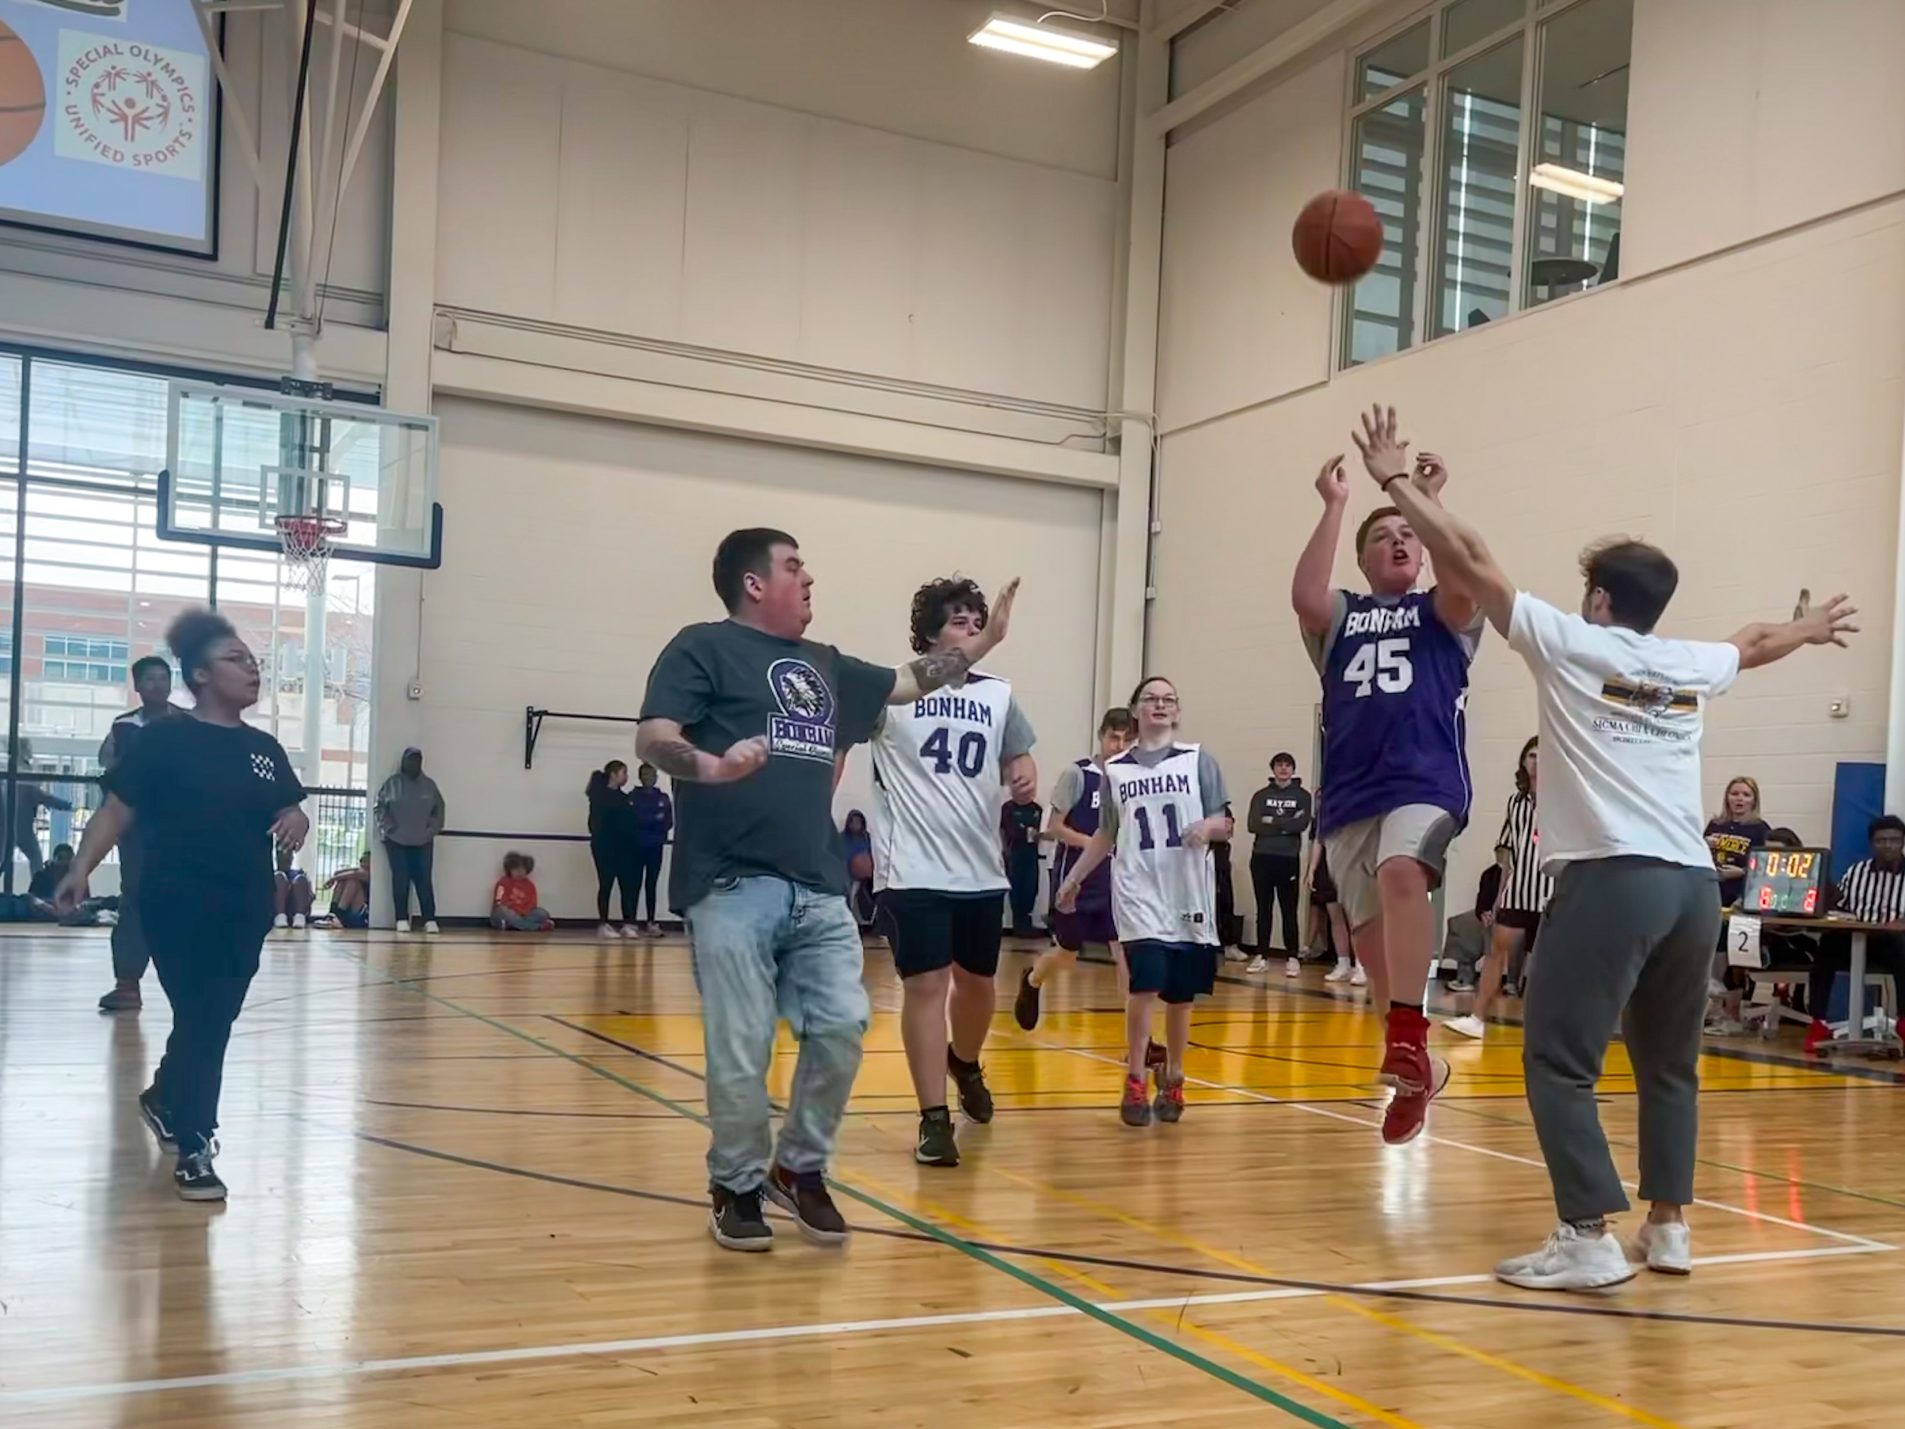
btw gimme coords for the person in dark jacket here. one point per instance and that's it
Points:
(152, 683)
(1279, 816)
(612, 844)
(1019, 822)
(654, 822)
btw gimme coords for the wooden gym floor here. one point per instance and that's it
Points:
(467, 1188)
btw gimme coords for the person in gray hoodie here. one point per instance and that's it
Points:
(409, 814)
(1279, 817)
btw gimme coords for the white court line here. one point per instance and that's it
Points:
(1865, 1242)
(351, 1369)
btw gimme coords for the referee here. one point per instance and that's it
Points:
(1525, 891)
(1873, 891)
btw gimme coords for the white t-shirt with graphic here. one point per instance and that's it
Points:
(1621, 718)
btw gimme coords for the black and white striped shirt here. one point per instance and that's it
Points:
(1874, 894)
(1524, 889)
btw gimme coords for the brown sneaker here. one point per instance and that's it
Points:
(1169, 1104)
(123, 998)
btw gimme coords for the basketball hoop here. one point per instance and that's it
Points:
(307, 542)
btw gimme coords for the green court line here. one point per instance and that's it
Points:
(1025, 1277)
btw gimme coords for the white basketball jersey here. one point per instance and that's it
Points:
(936, 781)
(1161, 890)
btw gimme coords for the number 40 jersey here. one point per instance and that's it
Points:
(936, 775)
(1395, 700)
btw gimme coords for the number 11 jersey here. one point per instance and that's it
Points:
(1395, 701)
(936, 775)
(1161, 889)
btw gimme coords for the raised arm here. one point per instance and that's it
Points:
(1828, 624)
(1459, 552)
(938, 668)
(1311, 595)
(661, 743)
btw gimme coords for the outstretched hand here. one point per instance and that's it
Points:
(1385, 456)
(1830, 623)
(1431, 474)
(1332, 482)
(999, 618)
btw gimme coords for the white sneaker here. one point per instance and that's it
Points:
(431, 928)
(280, 921)
(1468, 1025)
(1666, 1248)
(1257, 964)
(1571, 1260)
(1339, 973)
(299, 921)
(631, 931)
(1357, 977)
(403, 925)
(1292, 967)
(609, 930)
(1234, 955)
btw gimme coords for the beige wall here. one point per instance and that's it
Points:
(1743, 409)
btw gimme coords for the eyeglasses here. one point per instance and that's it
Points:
(243, 659)
(1163, 702)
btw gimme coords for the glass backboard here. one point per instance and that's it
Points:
(240, 458)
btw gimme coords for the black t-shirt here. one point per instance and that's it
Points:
(47, 881)
(204, 796)
(724, 682)
(1730, 840)
(1021, 823)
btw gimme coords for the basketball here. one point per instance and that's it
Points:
(22, 96)
(1337, 237)
(860, 867)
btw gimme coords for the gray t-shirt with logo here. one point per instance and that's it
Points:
(724, 682)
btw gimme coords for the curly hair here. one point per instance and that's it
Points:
(935, 602)
(192, 636)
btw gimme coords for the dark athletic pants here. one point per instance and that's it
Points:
(648, 866)
(1022, 869)
(130, 955)
(1274, 876)
(206, 957)
(411, 864)
(1628, 940)
(1884, 953)
(614, 863)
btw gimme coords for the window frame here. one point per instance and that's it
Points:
(1531, 25)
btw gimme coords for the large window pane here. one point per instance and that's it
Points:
(1480, 129)
(1387, 146)
(1467, 21)
(9, 497)
(1580, 160)
(1393, 61)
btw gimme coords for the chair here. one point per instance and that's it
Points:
(1768, 1011)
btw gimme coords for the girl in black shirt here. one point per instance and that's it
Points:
(612, 845)
(212, 796)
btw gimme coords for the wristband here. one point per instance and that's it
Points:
(1399, 476)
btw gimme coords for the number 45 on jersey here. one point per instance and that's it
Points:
(1382, 665)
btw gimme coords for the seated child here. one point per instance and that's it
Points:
(513, 906)
(39, 895)
(291, 887)
(350, 895)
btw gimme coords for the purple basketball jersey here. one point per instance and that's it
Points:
(1395, 695)
(1082, 817)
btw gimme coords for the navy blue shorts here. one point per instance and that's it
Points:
(1177, 972)
(1088, 925)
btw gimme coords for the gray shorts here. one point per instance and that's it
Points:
(1418, 831)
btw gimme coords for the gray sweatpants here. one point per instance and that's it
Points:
(129, 952)
(1629, 939)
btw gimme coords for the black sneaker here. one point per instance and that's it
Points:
(736, 1222)
(1025, 1005)
(975, 1097)
(157, 1120)
(195, 1178)
(936, 1144)
(804, 1195)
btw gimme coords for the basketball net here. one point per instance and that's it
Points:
(308, 541)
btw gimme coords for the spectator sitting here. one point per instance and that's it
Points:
(1732, 834)
(291, 888)
(513, 906)
(1873, 891)
(350, 895)
(39, 895)
(1466, 940)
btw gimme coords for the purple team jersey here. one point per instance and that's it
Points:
(1082, 817)
(1395, 693)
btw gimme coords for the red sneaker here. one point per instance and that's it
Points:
(1135, 1109)
(1815, 1034)
(1409, 1107)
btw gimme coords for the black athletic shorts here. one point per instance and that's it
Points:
(932, 930)
(1177, 972)
(1521, 918)
(1074, 931)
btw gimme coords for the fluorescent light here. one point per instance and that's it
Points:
(1041, 42)
(1589, 188)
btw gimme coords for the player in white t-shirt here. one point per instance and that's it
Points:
(1167, 806)
(938, 764)
(1631, 928)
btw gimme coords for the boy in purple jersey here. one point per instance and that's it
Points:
(1076, 799)
(1394, 665)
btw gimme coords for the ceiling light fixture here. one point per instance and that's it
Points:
(1042, 42)
(1589, 188)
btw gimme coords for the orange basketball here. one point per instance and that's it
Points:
(1337, 237)
(22, 96)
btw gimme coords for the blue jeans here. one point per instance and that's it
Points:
(765, 948)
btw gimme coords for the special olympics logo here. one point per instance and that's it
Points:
(133, 106)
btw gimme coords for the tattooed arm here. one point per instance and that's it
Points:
(938, 668)
(661, 743)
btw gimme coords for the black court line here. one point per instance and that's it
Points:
(1278, 1282)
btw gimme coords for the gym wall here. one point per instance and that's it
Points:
(1737, 398)
(582, 545)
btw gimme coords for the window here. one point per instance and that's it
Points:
(1491, 139)
(86, 659)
